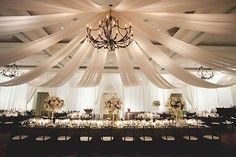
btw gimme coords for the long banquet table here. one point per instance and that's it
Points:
(94, 128)
(116, 132)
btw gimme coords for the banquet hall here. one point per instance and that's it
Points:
(117, 78)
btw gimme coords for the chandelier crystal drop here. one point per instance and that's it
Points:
(109, 34)
(12, 71)
(203, 73)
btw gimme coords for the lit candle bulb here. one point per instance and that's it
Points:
(125, 25)
(107, 16)
(87, 25)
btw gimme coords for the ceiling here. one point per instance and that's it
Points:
(206, 40)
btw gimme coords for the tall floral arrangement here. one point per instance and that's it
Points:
(176, 106)
(113, 104)
(53, 104)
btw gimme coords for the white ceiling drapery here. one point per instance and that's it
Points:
(39, 6)
(164, 12)
(65, 74)
(164, 61)
(47, 65)
(211, 59)
(127, 73)
(15, 24)
(147, 68)
(93, 73)
(16, 53)
(184, 5)
(211, 23)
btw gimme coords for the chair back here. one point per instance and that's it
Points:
(128, 131)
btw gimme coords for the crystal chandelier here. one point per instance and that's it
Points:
(109, 34)
(11, 72)
(204, 74)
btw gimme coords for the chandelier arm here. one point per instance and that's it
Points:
(115, 37)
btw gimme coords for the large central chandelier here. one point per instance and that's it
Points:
(109, 34)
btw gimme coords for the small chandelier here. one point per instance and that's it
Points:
(109, 34)
(11, 72)
(204, 74)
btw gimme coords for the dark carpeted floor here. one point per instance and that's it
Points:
(116, 149)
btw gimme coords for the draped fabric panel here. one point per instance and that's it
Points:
(47, 65)
(126, 70)
(68, 71)
(185, 5)
(25, 50)
(131, 4)
(82, 5)
(35, 6)
(13, 97)
(198, 54)
(15, 24)
(233, 94)
(147, 68)
(30, 92)
(93, 73)
(211, 23)
(136, 98)
(164, 61)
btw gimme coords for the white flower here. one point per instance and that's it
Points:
(113, 104)
(53, 104)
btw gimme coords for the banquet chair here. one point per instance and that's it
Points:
(170, 133)
(233, 120)
(128, 133)
(214, 134)
(106, 133)
(19, 134)
(44, 138)
(43, 134)
(63, 134)
(147, 134)
(85, 134)
(192, 133)
(20, 137)
(63, 140)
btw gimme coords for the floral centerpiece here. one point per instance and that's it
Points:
(53, 104)
(113, 104)
(146, 115)
(176, 106)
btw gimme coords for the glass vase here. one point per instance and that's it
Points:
(110, 115)
(118, 115)
(52, 115)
